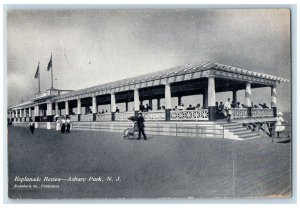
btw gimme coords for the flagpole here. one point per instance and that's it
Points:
(39, 81)
(51, 72)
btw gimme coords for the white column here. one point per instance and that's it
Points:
(248, 94)
(30, 112)
(211, 91)
(21, 113)
(94, 108)
(37, 110)
(24, 113)
(273, 96)
(136, 100)
(56, 108)
(67, 107)
(13, 114)
(49, 109)
(168, 96)
(78, 106)
(113, 103)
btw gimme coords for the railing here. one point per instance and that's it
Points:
(154, 116)
(103, 117)
(42, 94)
(74, 118)
(189, 115)
(261, 112)
(239, 113)
(86, 117)
(123, 116)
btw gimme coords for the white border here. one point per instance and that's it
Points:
(158, 4)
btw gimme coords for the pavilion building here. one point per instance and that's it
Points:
(205, 78)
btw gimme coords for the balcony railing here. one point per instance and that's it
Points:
(123, 116)
(86, 117)
(103, 117)
(154, 116)
(262, 112)
(189, 115)
(74, 118)
(239, 113)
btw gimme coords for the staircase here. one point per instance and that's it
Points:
(235, 130)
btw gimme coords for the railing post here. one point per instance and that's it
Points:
(212, 113)
(168, 112)
(274, 111)
(113, 116)
(94, 116)
(249, 109)
(78, 117)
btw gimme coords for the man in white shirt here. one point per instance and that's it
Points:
(227, 108)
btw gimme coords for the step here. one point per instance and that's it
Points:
(239, 130)
(248, 138)
(234, 127)
(247, 132)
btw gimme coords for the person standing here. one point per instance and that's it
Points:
(228, 110)
(140, 123)
(278, 125)
(31, 125)
(58, 124)
(68, 121)
(63, 125)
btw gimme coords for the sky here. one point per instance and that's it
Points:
(93, 47)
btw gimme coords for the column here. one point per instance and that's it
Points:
(158, 103)
(126, 106)
(234, 97)
(21, 113)
(248, 94)
(113, 106)
(211, 98)
(248, 98)
(113, 103)
(136, 100)
(24, 113)
(67, 107)
(168, 101)
(30, 112)
(78, 106)
(94, 107)
(36, 112)
(179, 100)
(205, 99)
(273, 100)
(273, 96)
(150, 103)
(49, 109)
(56, 109)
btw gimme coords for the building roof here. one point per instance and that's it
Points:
(179, 70)
(167, 73)
(22, 105)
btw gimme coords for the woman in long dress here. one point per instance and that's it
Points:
(68, 124)
(58, 124)
(31, 126)
(63, 125)
(278, 125)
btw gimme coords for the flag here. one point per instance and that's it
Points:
(50, 64)
(37, 73)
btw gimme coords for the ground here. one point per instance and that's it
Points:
(162, 166)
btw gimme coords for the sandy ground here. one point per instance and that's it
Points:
(160, 167)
